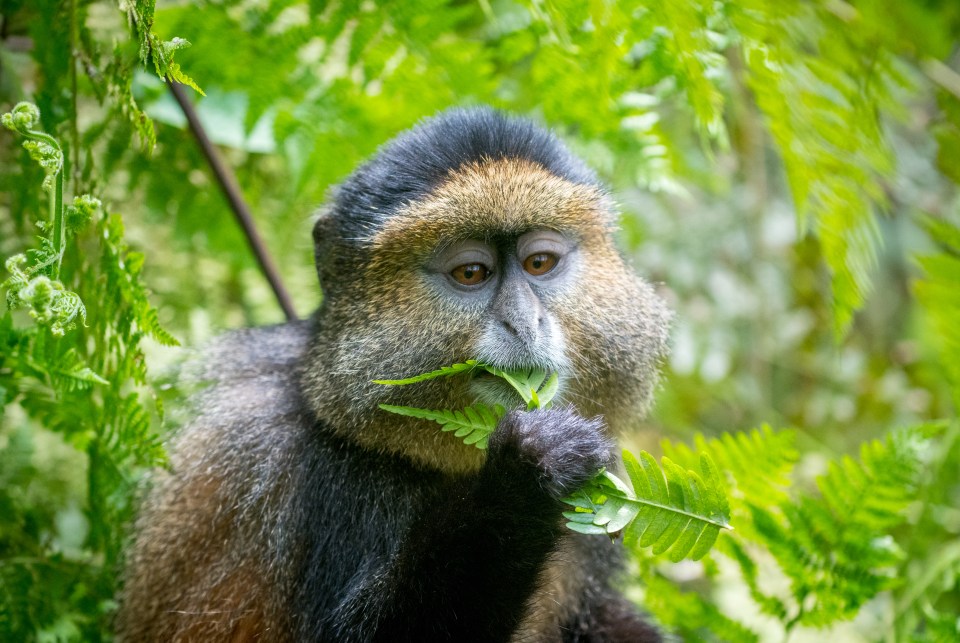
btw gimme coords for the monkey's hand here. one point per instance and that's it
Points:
(558, 448)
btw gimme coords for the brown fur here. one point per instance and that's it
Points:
(199, 570)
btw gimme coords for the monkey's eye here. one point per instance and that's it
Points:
(470, 274)
(540, 263)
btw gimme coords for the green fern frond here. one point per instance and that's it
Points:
(833, 99)
(672, 510)
(534, 386)
(836, 547)
(940, 298)
(474, 424)
(152, 48)
(151, 324)
(689, 615)
(74, 373)
(929, 578)
(125, 290)
(446, 371)
(677, 511)
(548, 390)
(944, 233)
(769, 604)
(872, 493)
(757, 462)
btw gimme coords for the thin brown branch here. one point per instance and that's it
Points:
(231, 190)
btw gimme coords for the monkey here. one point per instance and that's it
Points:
(294, 509)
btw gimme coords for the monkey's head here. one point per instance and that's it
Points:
(474, 235)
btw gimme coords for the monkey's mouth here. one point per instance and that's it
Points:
(485, 375)
(522, 371)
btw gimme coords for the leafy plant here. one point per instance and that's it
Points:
(475, 423)
(77, 375)
(35, 275)
(673, 511)
(836, 546)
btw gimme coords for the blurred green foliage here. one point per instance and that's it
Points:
(787, 171)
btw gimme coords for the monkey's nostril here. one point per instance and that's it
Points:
(510, 327)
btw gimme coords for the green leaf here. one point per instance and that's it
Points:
(691, 616)
(672, 510)
(940, 298)
(758, 463)
(549, 390)
(474, 424)
(587, 528)
(76, 374)
(534, 386)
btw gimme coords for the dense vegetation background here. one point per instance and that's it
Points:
(787, 171)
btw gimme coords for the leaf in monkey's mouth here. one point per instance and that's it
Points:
(536, 386)
(499, 389)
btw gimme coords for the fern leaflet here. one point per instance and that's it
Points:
(674, 511)
(474, 424)
(757, 462)
(835, 548)
(446, 371)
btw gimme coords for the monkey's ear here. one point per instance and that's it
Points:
(338, 261)
(324, 244)
(323, 229)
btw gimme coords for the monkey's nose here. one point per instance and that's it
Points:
(523, 328)
(518, 310)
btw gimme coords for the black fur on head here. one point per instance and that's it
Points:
(410, 166)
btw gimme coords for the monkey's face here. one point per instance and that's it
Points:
(504, 284)
(509, 264)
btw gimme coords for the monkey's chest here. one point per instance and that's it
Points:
(558, 596)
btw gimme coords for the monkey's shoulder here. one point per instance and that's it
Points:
(250, 426)
(246, 374)
(244, 412)
(252, 352)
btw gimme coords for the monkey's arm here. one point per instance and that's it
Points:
(610, 618)
(466, 568)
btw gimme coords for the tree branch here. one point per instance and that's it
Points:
(231, 190)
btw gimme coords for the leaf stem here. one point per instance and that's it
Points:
(56, 202)
(59, 234)
(651, 503)
(46, 138)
